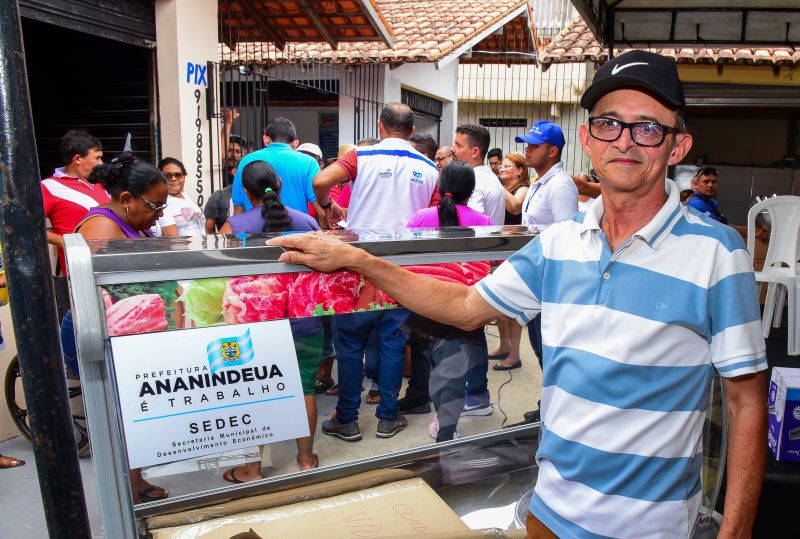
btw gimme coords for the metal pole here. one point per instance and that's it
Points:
(32, 294)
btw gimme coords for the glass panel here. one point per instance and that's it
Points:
(215, 374)
(714, 433)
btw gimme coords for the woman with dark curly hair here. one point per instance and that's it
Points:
(138, 193)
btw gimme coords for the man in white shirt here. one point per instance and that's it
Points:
(553, 196)
(471, 145)
(390, 182)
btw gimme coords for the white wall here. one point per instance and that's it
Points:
(424, 78)
(186, 32)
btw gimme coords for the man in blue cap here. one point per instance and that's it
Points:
(553, 196)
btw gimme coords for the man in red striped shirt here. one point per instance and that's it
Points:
(66, 194)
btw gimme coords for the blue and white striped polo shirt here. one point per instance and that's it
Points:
(631, 340)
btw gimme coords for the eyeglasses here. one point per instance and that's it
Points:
(642, 133)
(155, 207)
(440, 159)
(176, 175)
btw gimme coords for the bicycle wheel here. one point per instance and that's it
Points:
(14, 399)
(19, 413)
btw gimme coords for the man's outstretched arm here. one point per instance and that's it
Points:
(746, 400)
(450, 303)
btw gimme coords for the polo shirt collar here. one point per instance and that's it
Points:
(555, 169)
(61, 172)
(278, 146)
(394, 142)
(656, 230)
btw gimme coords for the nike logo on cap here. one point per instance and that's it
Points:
(618, 68)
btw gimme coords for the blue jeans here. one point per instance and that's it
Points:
(353, 333)
(68, 347)
(372, 357)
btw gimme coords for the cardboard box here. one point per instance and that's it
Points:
(304, 493)
(402, 508)
(784, 414)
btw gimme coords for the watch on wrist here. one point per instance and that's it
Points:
(326, 206)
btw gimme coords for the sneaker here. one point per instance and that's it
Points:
(348, 432)
(387, 428)
(413, 406)
(477, 405)
(433, 429)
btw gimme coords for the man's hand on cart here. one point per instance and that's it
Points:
(451, 303)
(318, 251)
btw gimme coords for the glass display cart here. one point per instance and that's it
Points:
(191, 354)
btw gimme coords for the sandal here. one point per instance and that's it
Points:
(374, 396)
(146, 494)
(322, 385)
(10, 462)
(333, 390)
(501, 367)
(230, 476)
(316, 463)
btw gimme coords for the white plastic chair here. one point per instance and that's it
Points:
(780, 264)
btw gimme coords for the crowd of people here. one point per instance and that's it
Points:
(405, 179)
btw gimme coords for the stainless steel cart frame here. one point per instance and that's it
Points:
(101, 263)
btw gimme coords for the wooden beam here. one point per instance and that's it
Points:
(317, 21)
(271, 34)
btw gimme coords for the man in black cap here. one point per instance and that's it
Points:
(632, 333)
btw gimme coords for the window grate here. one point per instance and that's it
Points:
(503, 122)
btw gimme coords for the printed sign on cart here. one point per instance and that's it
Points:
(196, 392)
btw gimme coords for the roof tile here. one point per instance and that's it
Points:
(577, 43)
(424, 30)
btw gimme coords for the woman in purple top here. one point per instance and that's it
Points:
(456, 183)
(138, 193)
(268, 213)
(263, 186)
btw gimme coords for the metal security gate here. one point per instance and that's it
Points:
(117, 99)
(128, 21)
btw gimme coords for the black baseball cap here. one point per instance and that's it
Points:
(652, 72)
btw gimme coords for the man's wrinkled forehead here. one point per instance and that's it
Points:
(637, 105)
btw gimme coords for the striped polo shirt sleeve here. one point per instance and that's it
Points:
(515, 287)
(734, 334)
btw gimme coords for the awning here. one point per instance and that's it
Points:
(692, 23)
(302, 21)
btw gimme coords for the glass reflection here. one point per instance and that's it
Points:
(373, 379)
